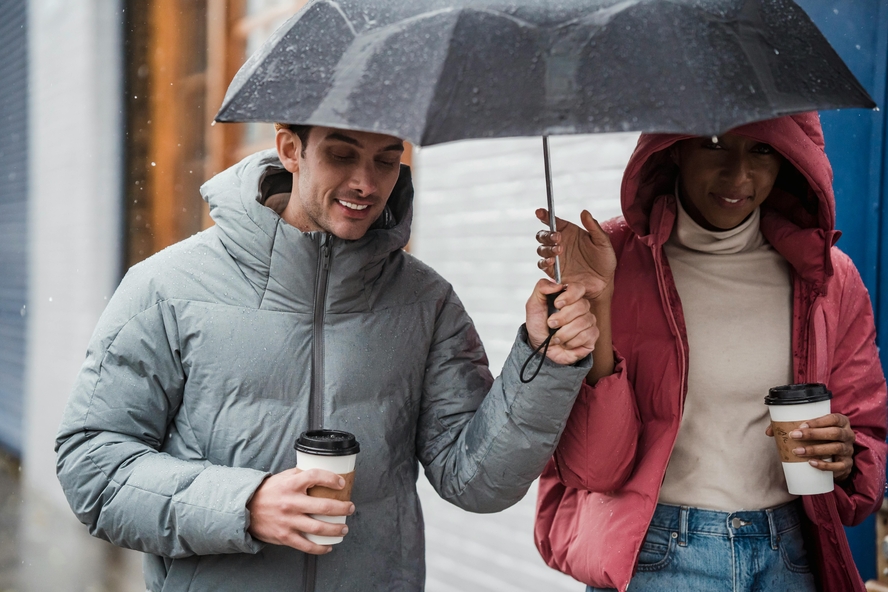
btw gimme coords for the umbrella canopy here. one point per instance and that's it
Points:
(432, 71)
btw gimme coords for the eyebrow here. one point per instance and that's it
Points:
(399, 146)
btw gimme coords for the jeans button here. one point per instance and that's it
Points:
(736, 523)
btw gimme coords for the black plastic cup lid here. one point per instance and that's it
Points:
(327, 443)
(798, 394)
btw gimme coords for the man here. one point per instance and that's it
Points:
(299, 309)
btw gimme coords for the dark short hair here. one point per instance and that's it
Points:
(300, 130)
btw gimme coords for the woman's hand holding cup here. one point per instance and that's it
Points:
(835, 439)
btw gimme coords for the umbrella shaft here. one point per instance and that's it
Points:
(551, 201)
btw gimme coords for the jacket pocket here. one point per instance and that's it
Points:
(656, 550)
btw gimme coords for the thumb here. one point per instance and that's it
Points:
(596, 232)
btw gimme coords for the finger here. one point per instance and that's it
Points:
(307, 479)
(834, 449)
(297, 541)
(572, 294)
(545, 286)
(309, 525)
(542, 215)
(325, 507)
(833, 419)
(596, 232)
(769, 432)
(549, 251)
(841, 467)
(584, 340)
(568, 331)
(830, 434)
(547, 237)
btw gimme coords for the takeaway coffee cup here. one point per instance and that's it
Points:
(790, 406)
(333, 451)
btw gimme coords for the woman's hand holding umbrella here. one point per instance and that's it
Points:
(834, 438)
(586, 258)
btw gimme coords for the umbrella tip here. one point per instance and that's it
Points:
(876, 109)
(212, 123)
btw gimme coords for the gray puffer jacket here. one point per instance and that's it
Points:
(212, 357)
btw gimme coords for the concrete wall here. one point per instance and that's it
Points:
(75, 127)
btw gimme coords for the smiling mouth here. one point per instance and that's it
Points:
(353, 206)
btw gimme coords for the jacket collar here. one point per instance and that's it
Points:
(280, 261)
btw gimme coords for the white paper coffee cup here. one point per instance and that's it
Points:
(334, 451)
(789, 407)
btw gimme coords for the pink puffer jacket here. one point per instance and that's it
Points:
(597, 498)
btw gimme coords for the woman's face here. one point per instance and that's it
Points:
(723, 182)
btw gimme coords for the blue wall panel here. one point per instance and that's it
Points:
(856, 145)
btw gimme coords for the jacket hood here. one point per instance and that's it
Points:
(253, 234)
(798, 215)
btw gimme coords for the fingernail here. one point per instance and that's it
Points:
(795, 434)
(341, 482)
(813, 463)
(345, 530)
(555, 341)
(553, 323)
(798, 451)
(804, 426)
(351, 510)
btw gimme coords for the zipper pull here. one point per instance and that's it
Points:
(325, 252)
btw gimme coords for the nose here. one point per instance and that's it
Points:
(738, 170)
(363, 179)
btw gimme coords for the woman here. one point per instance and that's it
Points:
(720, 281)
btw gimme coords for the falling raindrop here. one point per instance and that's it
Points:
(153, 164)
(776, 51)
(23, 310)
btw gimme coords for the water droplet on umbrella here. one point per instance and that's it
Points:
(776, 51)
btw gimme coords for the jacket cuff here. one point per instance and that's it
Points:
(213, 510)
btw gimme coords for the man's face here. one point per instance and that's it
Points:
(723, 182)
(342, 179)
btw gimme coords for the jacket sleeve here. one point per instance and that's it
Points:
(858, 386)
(597, 451)
(109, 462)
(483, 442)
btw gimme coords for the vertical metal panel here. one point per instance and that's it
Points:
(13, 215)
(856, 145)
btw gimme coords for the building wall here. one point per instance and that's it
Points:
(74, 265)
(13, 213)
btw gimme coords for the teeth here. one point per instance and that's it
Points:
(353, 206)
(733, 201)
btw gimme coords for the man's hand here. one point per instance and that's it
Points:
(586, 257)
(577, 333)
(837, 440)
(279, 510)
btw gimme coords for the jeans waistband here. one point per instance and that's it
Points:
(770, 522)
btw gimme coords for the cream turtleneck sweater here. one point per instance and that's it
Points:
(736, 294)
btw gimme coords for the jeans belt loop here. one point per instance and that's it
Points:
(683, 526)
(772, 528)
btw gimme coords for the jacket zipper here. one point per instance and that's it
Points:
(316, 397)
(316, 394)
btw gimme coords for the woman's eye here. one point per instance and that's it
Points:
(386, 164)
(763, 149)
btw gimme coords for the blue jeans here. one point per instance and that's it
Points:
(690, 549)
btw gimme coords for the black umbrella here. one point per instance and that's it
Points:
(432, 71)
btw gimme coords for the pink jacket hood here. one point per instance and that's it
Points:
(802, 196)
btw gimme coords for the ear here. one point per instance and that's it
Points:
(289, 149)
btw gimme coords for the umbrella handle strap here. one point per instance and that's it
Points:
(544, 346)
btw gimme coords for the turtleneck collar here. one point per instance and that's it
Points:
(743, 238)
